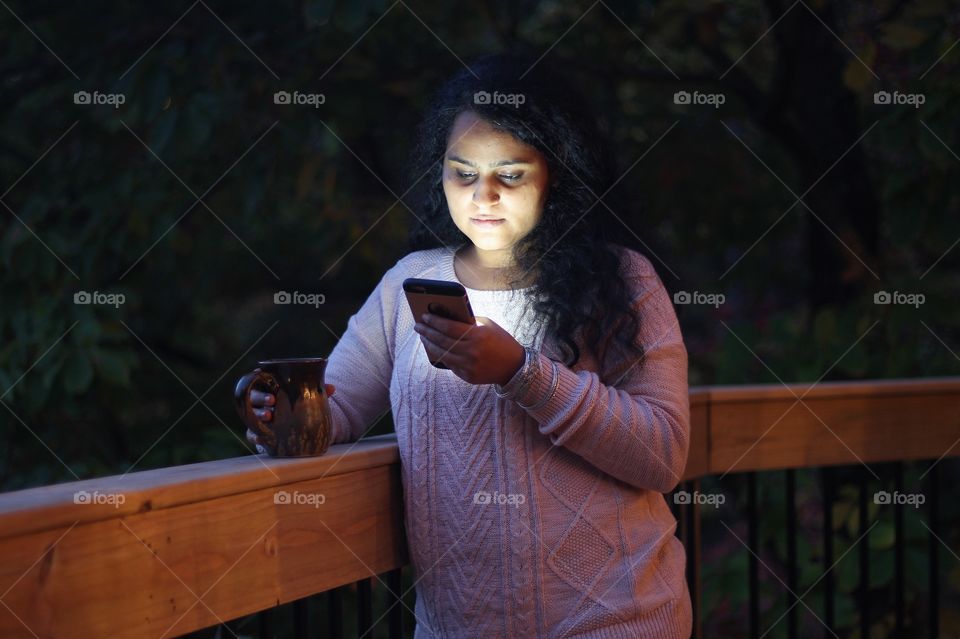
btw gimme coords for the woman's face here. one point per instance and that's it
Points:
(487, 173)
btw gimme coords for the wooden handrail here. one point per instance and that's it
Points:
(54, 506)
(772, 426)
(194, 545)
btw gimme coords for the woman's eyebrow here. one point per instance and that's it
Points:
(455, 158)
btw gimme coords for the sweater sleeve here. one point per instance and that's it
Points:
(638, 429)
(361, 363)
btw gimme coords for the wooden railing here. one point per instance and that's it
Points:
(750, 429)
(162, 553)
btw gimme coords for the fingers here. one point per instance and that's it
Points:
(259, 399)
(441, 326)
(435, 337)
(330, 388)
(263, 404)
(253, 439)
(443, 355)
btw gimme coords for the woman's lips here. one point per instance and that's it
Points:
(486, 223)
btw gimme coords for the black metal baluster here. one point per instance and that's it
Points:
(826, 477)
(301, 618)
(265, 623)
(334, 613)
(791, 554)
(898, 552)
(364, 607)
(934, 555)
(864, 552)
(395, 615)
(753, 565)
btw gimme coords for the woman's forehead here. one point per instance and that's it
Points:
(474, 139)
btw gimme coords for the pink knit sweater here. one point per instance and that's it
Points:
(547, 522)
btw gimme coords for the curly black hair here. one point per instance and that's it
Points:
(571, 250)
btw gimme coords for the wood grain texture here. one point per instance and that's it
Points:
(835, 423)
(191, 562)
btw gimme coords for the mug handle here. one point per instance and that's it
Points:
(241, 395)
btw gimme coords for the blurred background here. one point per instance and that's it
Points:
(169, 169)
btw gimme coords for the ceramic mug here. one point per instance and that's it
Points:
(301, 415)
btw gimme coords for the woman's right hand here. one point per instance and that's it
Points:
(263, 406)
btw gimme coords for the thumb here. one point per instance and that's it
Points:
(484, 321)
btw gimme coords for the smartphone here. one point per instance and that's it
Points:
(438, 297)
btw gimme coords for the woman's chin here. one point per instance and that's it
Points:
(485, 244)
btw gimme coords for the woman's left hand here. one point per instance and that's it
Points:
(479, 354)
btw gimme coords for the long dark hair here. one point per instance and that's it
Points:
(571, 250)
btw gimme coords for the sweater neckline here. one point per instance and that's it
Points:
(452, 272)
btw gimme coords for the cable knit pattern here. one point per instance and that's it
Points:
(540, 522)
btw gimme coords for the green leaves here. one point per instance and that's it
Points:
(77, 372)
(319, 11)
(114, 365)
(163, 128)
(902, 36)
(348, 15)
(857, 75)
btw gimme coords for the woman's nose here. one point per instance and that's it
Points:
(486, 193)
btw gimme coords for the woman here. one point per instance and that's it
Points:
(534, 467)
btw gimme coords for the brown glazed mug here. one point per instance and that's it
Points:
(301, 415)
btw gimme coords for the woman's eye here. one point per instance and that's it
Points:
(509, 177)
